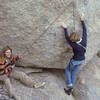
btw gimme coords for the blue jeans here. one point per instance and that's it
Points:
(71, 71)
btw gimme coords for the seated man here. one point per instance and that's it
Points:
(7, 71)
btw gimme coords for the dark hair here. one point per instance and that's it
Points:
(74, 37)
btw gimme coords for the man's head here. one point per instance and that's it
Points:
(75, 37)
(6, 52)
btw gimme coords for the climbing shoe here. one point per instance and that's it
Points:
(68, 91)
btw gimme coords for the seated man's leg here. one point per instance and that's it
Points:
(25, 79)
(9, 87)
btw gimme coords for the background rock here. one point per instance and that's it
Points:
(32, 28)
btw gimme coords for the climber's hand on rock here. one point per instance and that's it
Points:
(64, 25)
(82, 17)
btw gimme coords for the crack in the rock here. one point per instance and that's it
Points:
(44, 32)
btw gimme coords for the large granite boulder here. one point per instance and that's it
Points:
(32, 28)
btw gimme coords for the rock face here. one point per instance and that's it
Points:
(88, 84)
(32, 28)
